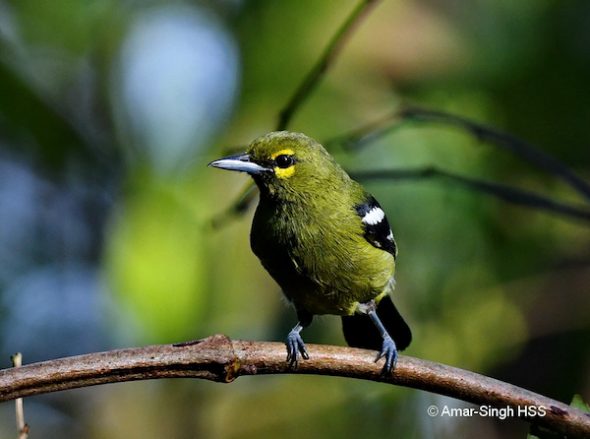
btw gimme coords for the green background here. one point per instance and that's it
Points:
(109, 113)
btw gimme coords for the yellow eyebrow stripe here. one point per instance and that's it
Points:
(282, 152)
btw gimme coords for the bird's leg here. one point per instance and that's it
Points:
(388, 348)
(295, 344)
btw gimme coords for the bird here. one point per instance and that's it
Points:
(325, 240)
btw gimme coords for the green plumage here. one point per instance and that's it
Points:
(325, 241)
(308, 235)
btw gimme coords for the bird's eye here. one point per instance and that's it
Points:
(285, 161)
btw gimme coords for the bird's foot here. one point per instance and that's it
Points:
(295, 346)
(389, 352)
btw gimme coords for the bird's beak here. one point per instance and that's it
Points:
(239, 162)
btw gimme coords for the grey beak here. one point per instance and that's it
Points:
(239, 162)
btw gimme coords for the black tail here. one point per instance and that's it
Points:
(360, 332)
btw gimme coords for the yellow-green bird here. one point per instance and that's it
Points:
(325, 241)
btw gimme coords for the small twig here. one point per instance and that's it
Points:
(326, 60)
(238, 207)
(22, 427)
(526, 151)
(513, 144)
(507, 193)
(220, 359)
(359, 137)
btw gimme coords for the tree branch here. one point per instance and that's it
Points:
(513, 144)
(327, 58)
(504, 192)
(220, 359)
(238, 207)
(359, 137)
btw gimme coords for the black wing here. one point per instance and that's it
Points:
(377, 230)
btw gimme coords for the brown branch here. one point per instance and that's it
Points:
(325, 61)
(220, 359)
(504, 192)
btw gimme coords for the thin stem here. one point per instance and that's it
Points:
(513, 144)
(509, 194)
(326, 60)
(220, 359)
(238, 207)
(524, 150)
(21, 426)
(359, 137)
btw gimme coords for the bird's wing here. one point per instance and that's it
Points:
(375, 225)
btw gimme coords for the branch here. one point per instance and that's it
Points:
(325, 61)
(513, 144)
(220, 359)
(509, 194)
(238, 207)
(361, 136)
(526, 151)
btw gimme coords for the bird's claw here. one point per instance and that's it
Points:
(389, 352)
(295, 346)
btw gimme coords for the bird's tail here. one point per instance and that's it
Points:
(360, 332)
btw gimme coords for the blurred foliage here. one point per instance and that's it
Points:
(579, 403)
(159, 271)
(109, 113)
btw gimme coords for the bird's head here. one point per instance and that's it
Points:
(286, 165)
